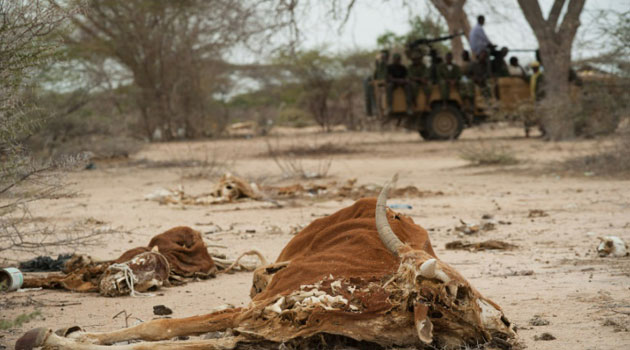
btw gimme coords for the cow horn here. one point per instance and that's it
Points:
(385, 233)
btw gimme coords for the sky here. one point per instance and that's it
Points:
(505, 23)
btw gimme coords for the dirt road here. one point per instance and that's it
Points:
(554, 273)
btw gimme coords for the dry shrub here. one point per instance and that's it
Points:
(294, 165)
(611, 159)
(96, 147)
(198, 164)
(601, 107)
(315, 149)
(483, 154)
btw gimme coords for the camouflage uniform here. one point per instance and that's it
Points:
(380, 71)
(379, 74)
(398, 76)
(480, 74)
(466, 85)
(417, 70)
(445, 75)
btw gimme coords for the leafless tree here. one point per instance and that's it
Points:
(28, 30)
(174, 52)
(555, 39)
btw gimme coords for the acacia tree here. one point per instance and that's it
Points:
(173, 51)
(555, 39)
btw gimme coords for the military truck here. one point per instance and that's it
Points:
(437, 119)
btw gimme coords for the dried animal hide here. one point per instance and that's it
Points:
(336, 277)
(182, 249)
(491, 244)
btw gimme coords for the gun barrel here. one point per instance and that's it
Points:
(425, 41)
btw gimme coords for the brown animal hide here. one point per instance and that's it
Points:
(182, 247)
(338, 278)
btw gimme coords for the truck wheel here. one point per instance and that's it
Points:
(443, 123)
(425, 134)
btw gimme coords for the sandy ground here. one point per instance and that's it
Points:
(585, 298)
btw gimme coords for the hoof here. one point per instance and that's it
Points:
(32, 339)
(64, 332)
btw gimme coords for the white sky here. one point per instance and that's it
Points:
(505, 24)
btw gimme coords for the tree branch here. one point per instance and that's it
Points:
(554, 14)
(571, 20)
(533, 15)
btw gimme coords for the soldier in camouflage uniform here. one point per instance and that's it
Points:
(380, 71)
(467, 86)
(481, 73)
(379, 74)
(419, 76)
(448, 74)
(397, 77)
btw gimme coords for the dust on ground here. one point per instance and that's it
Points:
(554, 272)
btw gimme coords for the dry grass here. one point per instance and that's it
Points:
(292, 161)
(315, 149)
(484, 154)
(612, 159)
(19, 320)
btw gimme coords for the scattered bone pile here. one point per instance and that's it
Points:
(231, 189)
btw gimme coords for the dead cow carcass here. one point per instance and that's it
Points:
(362, 275)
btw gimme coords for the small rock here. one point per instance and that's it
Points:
(545, 336)
(537, 320)
(161, 310)
(537, 213)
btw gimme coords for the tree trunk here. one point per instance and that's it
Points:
(555, 39)
(457, 22)
(557, 107)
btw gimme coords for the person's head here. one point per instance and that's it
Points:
(397, 58)
(416, 56)
(481, 20)
(504, 51)
(535, 66)
(466, 56)
(514, 61)
(449, 57)
(384, 56)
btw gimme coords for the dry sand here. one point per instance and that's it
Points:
(585, 298)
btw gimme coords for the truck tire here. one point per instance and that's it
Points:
(444, 122)
(425, 134)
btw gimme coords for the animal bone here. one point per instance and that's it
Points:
(387, 236)
(277, 307)
(427, 269)
(612, 245)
